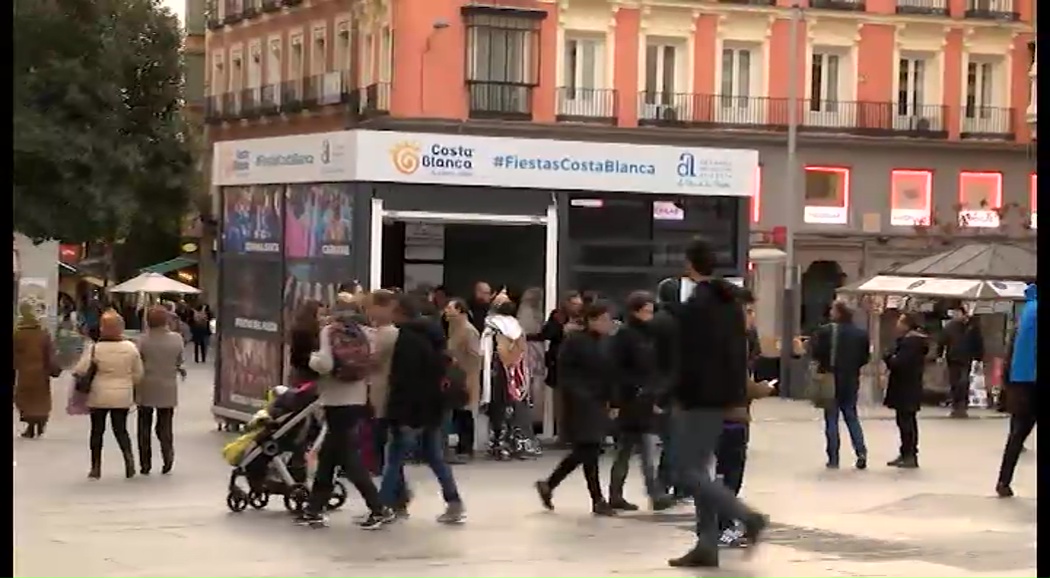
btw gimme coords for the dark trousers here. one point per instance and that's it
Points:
(730, 459)
(341, 448)
(959, 384)
(908, 427)
(118, 421)
(200, 348)
(165, 436)
(585, 455)
(463, 426)
(1021, 425)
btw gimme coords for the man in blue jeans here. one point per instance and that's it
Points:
(842, 349)
(416, 411)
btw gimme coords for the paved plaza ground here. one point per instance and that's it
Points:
(941, 520)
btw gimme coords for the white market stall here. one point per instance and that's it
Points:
(147, 285)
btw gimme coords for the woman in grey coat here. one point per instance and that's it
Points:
(161, 351)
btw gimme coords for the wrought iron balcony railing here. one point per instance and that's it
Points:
(592, 105)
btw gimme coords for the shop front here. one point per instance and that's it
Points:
(396, 209)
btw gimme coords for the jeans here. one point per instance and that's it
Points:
(730, 459)
(463, 424)
(340, 449)
(431, 444)
(164, 435)
(200, 348)
(1021, 426)
(831, 431)
(908, 426)
(665, 472)
(696, 434)
(959, 384)
(625, 446)
(585, 455)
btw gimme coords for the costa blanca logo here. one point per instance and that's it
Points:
(405, 157)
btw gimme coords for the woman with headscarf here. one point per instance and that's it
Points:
(35, 365)
(118, 371)
(504, 379)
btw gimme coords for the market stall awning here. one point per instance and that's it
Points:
(963, 289)
(165, 267)
(995, 261)
(153, 283)
(67, 269)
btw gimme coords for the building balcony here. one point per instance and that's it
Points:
(231, 106)
(499, 100)
(291, 96)
(323, 89)
(271, 5)
(251, 9)
(372, 100)
(886, 119)
(923, 7)
(587, 105)
(1000, 10)
(270, 99)
(251, 103)
(846, 5)
(212, 109)
(234, 13)
(291, 3)
(987, 123)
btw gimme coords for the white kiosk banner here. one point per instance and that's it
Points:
(399, 157)
(553, 164)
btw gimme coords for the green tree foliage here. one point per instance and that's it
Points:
(100, 144)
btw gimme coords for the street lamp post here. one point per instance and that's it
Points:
(791, 210)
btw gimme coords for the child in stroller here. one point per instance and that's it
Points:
(271, 455)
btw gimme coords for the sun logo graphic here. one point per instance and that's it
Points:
(405, 157)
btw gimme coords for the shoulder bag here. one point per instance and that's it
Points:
(82, 382)
(822, 384)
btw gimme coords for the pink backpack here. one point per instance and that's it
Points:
(351, 352)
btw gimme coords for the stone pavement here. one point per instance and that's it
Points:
(938, 521)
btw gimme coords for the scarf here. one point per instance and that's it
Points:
(494, 325)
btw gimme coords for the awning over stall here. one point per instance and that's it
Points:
(165, 267)
(997, 261)
(963, 289)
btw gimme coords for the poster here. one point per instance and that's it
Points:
(315, 279)
(318, 221)
(252, 296)
(249, 368)
(251, 219)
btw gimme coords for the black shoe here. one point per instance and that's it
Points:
(95, 473)
(661, 503)
(909, 463)
(831, 465)
(144, 471)
(754, 528)
(698, 557)
(604, 509)
(546, 494)
(1004, 491)
(30, 431)
(862, 463)
(166, 469)
(895, 463)
(312, 519)
(622, 504)
(378, 519)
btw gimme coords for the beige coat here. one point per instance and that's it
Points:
(161, 353)
(464, 346)
(383, 340)
(119, 372)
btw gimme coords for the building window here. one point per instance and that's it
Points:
(661, 73)
(502, 59)
(319, 52)
(273, 62)
(911, 86)
(367, 58)
(386, 54)
(255, 65)
(911, 197)
(738, 72)
(980, 197)
(295, 66)
(218, 74)
(342, 47)
(1033, 199)
(824, 82)
(980, 78)
(756, 197)
(583, 67)
(827, 196)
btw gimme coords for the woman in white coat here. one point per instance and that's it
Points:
(119, 370)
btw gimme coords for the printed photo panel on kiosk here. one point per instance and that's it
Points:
(318, 221)
(250, 367)
(251, 303)
(252, 220)
(313, 279)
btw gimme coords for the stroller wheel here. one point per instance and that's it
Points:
(236, 501)
(295, 499)
(258, 500)
(338, 497)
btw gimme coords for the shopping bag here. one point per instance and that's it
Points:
(77, 403)
(978, 387)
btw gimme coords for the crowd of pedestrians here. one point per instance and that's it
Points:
(397, 373)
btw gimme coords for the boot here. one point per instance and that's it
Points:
(909, 462)
(30, 431)
(129, 463)
(40, 427)
(96, 464)
(167, 454)
(698, 557)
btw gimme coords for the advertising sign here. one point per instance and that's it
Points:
(251, 219)
(554, 164)
(306, 158)
(315, 279)
(250, 367)
(317, 221)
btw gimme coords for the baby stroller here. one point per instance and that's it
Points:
(271, 455)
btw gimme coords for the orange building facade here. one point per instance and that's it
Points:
(909, 111)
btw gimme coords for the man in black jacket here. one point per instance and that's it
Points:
(711, 378)
(960, 344)
(416, 408)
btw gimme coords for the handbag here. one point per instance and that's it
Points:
(82, 382)
(77, 403)
(822, 384)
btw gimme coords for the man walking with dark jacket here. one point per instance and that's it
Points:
(711, 378)
(961, 344)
